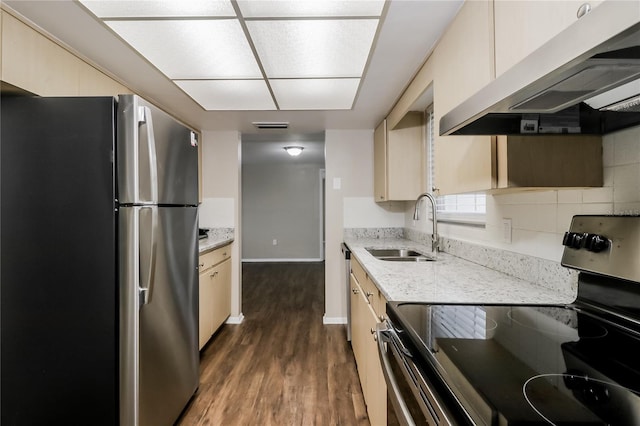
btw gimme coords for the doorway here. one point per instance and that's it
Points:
(282, 198)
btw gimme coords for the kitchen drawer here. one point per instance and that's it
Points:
(358, 271)
(370, 290)
(212, 258)
(375, 297)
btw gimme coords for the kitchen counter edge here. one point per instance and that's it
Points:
(206, 245)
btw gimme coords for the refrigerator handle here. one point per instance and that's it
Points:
(144, 114)
(147, 277)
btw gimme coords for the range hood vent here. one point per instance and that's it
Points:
(592, 89)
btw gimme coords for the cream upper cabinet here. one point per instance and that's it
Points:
(380, 192)
(399, 159)
(463, 64)
(36, 64)
(523, 26)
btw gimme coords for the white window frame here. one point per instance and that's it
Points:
(452, 208)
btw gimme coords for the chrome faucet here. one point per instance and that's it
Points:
(434, 233)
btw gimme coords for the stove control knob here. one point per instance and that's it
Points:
(573, 239)
(596, 243)
(567, 240)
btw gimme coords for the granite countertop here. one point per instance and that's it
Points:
(448, 279)
(218, 237)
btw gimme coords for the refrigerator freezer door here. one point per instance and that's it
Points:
(151, 144)
(159, 339)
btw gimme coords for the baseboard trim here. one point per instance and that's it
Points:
(333, 320)
(282, 260)
(235, 320)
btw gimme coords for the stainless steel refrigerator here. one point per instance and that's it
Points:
(98, 273)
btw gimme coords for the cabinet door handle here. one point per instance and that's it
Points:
(369, 294)
(214, 274)
(200, 265)
(354, 291)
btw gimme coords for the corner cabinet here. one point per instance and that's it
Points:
(215, 292)
(399, 159)
(367, 308)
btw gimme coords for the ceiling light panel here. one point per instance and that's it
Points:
(313, 48)
(232, 95)
(159, 8)
(313, 8)
(315, 94)
(192, 49)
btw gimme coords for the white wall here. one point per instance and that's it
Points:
(540, 218)
(221, 204)
(349, 203)
(281, 204)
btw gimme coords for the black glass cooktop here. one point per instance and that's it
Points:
(522, 365)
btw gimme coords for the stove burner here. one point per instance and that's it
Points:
(604, 402)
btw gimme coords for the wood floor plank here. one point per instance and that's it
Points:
(282, 366)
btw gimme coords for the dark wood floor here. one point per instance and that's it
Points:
(282, 366)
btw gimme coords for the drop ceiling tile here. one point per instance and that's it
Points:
(306, 8)
(192, 49)
(159, 8)
(313, 48)
(315, 94)
(229, 95)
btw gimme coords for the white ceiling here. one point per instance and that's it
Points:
(408, 32)
(279, 57)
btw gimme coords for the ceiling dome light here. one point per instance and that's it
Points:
(293, 151)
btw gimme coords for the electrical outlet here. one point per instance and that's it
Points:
(506, 230)
(275, 242)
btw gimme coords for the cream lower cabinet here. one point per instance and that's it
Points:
(215, 292)
(366, 302)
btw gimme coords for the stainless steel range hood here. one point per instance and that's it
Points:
(585, 80)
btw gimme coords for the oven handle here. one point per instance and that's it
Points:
(384, 334)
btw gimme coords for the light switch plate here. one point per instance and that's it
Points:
(506, 230)
(337, 183)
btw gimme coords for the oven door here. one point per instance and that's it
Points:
(412, 398)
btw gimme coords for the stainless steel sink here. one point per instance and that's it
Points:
(399, 255)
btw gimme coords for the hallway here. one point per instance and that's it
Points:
(282, 366)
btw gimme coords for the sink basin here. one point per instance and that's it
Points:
(407, 259)
(393, 252)
(399, 255)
